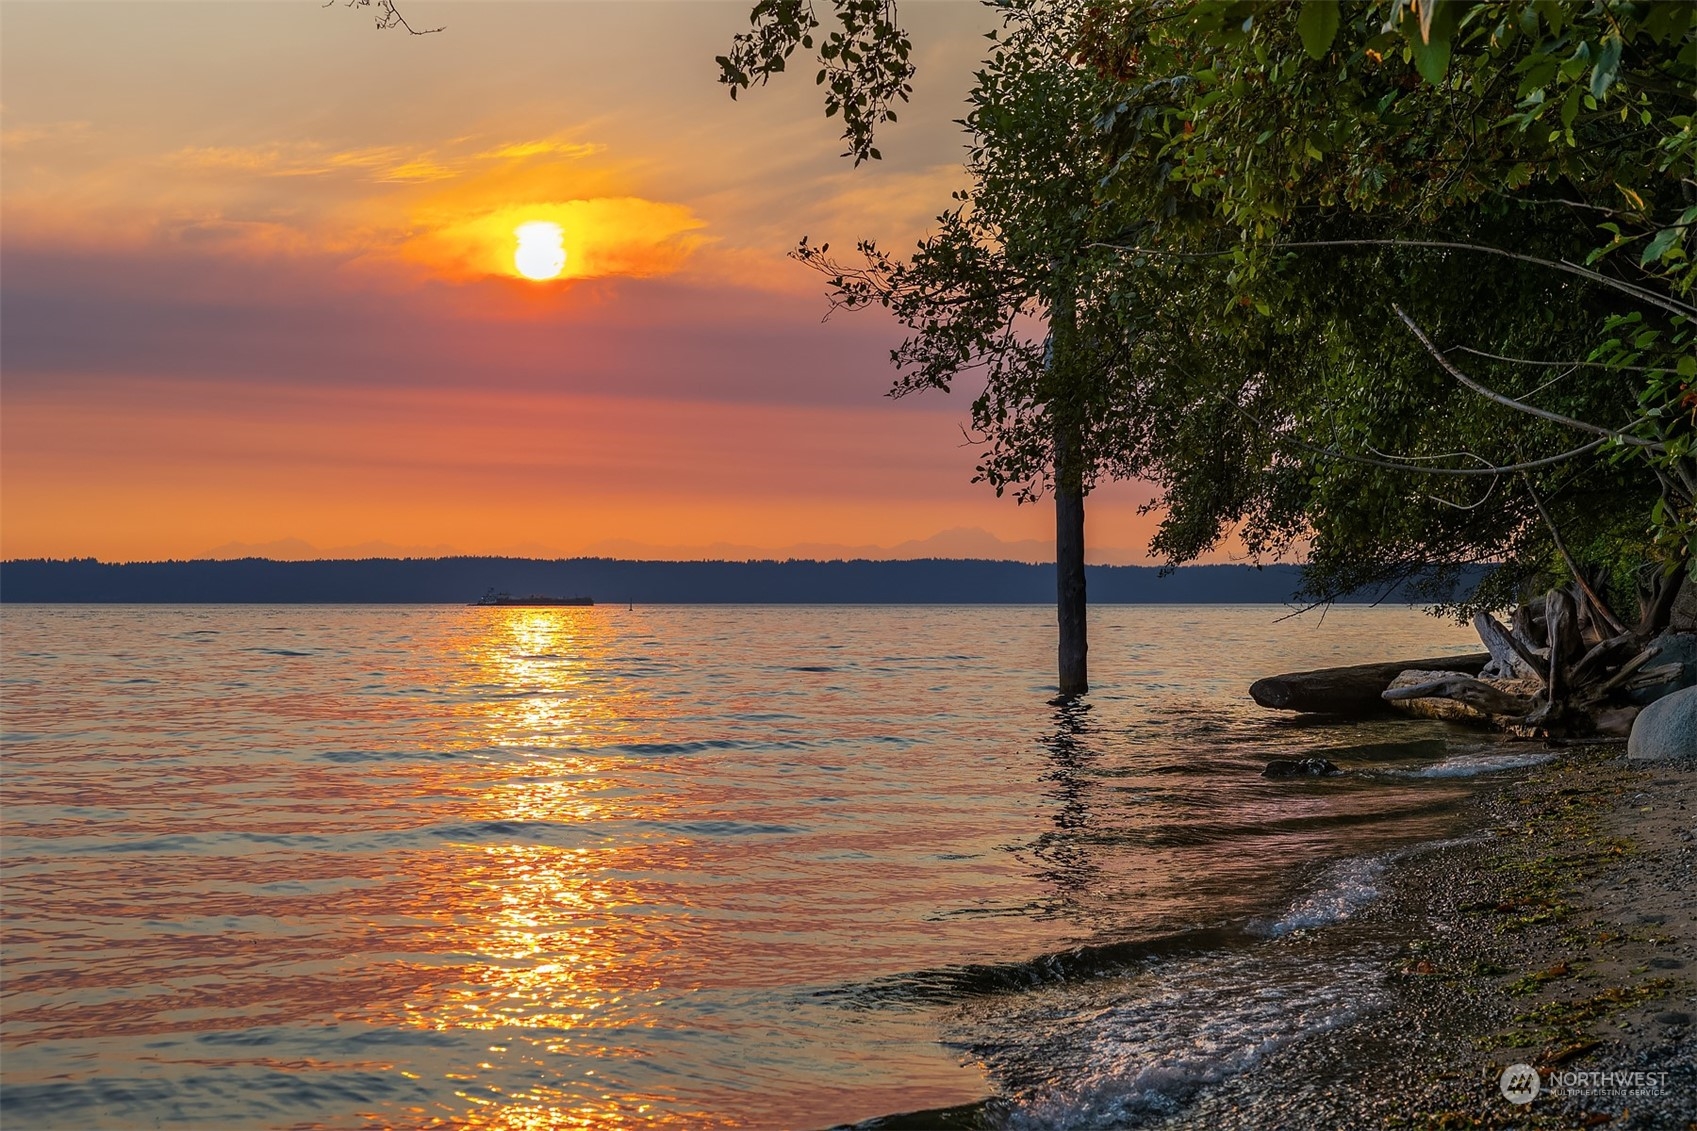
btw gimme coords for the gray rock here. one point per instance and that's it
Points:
(1304, 768)
(1665, 729)
(1683, 618)
(1673, 650)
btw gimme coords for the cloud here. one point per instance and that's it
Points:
(317, 159)
(18, 137)
(524, 150)
(307, 159)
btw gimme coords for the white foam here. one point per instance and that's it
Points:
(1345, 888)
(1489, 764)
(1196, 1026)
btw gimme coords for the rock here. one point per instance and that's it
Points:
(1672, 650)
(1300, 768)
(1683, 618)
(1615, 722)
(1665, 729)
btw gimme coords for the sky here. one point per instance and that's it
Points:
(257, 291)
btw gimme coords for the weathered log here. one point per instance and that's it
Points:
(1597, 661)
(1510, 657)
(1623, 673)
(1464, 689)
(1352, 690)
(1529, 625)
(1562, 629)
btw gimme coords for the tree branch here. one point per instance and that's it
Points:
(1510, 402)
(1673, 306)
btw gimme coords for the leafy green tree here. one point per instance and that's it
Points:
(1020, 292)
(1428, 265)
(1386, 182)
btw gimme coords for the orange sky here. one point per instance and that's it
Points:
(258, 286)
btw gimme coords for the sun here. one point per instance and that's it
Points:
(541, 251)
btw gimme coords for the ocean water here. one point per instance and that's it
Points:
(754, 867)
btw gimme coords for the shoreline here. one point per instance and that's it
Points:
(1564, 936)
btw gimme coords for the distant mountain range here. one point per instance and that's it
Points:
(464, 579)
(958, 542)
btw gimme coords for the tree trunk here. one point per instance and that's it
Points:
(1069, 581)
(1069, 480)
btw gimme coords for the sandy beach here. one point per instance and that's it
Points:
(1564, 938)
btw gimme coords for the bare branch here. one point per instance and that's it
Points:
(1597, 603)
(1558, 364)
(387, 16)
(1671, 305)
(1524, 465)
(1510, 402)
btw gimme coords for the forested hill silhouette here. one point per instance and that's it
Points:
(610, 581)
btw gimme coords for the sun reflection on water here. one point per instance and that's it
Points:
(561, 925)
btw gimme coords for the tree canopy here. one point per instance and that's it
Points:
(1400, 287)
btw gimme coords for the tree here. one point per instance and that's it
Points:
(1399, 236)
(1473, 165)
(1016, 290)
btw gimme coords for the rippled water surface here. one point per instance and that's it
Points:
(336, 866)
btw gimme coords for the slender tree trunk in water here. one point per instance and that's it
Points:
(1069, 563)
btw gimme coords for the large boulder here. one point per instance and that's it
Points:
(1665, 729)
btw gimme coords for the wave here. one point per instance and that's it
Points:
(1472, 767)
(1345, 888)
(1191, 1026)
(946, 985)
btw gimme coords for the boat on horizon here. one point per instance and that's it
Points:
(493, 599)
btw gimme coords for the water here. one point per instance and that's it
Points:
(334, 866)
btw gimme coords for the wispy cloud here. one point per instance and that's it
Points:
(524, 150)
(388, 163)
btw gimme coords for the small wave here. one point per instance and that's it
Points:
(952, 984)
(723, 828)
(350, 757)
(1471, 767)
(651, 749)
(1192, 1026)
(1346, 888)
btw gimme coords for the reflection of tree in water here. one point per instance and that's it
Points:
(1063, 854)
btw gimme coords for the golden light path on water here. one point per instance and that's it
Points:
(545, 922)
(327, 867)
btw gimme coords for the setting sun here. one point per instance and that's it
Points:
(541, 252)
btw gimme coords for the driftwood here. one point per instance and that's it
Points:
(1355, 690)
(1588, 674)
(1563, 666)
(1510, 658)
(1464, 689)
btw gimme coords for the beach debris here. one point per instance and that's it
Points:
(1566, 667)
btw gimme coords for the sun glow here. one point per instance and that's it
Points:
(541, 251)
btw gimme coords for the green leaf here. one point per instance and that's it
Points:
(1664, 240)
(1608, 66)
(1570, 106)
(1317, 23)
(1432, 60)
